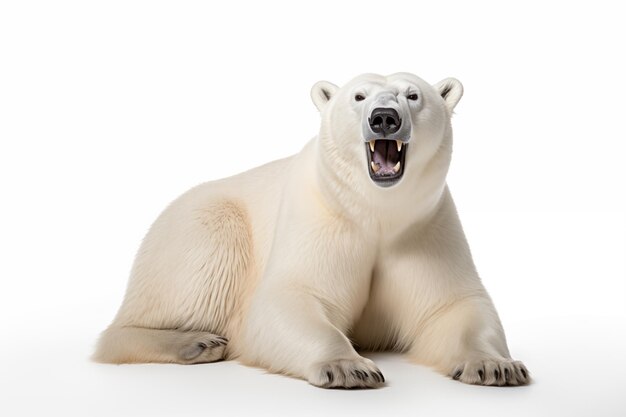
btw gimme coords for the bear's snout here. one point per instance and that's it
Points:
(385, 121)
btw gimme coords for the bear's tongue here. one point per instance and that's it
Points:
(386, 156)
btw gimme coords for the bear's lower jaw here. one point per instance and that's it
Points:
(385, 160)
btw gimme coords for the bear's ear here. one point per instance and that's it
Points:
(451, 90)
(322, 92)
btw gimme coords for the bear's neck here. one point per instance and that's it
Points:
(347, 190)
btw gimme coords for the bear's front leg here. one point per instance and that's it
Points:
(290, 331)
(459, 332)
(428, 300)
(465, 341)
(313, 289)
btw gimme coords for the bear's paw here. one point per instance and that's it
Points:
(347, 373)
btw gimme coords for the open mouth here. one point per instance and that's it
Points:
(385, 159)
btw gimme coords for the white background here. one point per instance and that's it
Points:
(109, 110)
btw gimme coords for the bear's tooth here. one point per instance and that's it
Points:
(397, 167)
(375, 167)
(372, 143)
(399, 143)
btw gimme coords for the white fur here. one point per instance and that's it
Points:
(296, 260)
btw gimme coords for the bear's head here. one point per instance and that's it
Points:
(386, 130)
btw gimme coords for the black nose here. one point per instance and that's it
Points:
(383, 120)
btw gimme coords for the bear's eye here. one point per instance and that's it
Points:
(412, 96)
(359, 97)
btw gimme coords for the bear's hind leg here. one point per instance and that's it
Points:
(141, 345)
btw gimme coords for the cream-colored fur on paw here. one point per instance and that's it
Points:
(346, 373)
(355, 240)
(498, 372)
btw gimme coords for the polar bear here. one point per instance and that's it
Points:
(353, 243)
